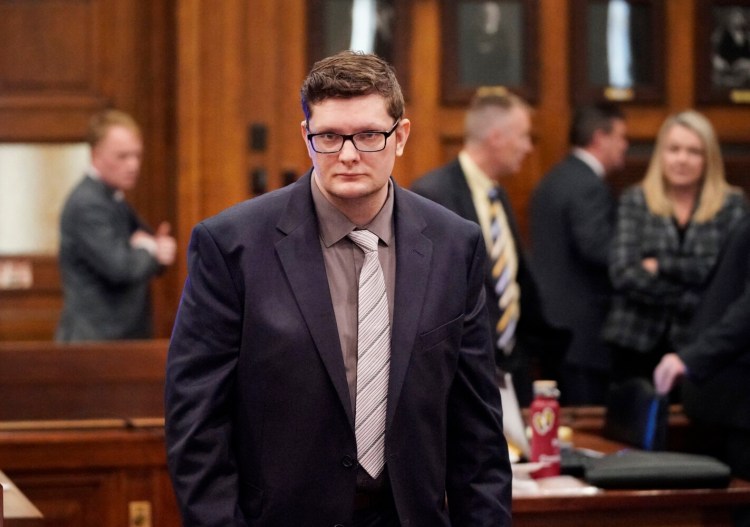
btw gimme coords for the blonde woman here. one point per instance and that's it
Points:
(670, 230)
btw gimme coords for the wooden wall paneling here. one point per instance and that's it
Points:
(553, 112)
(148, 72)
(211, 125)
(188, 134)
(290, 155)
(265, 70)
(679, 60)
(423, 148)
(223, 67)
(32, 313)
(49, 68)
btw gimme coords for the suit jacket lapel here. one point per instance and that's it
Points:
(302, 260)
(413, 257)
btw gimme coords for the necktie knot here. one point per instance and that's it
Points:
(494, 194)
(365, 240)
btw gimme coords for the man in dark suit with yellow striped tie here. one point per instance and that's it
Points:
(497, 140)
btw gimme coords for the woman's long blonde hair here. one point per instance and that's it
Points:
(714, 187)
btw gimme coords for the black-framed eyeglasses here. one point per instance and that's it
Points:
(369, 141)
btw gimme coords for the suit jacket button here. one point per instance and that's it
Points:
(347, 462)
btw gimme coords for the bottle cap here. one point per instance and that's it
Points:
(546, 388)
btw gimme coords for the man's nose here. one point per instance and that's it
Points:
(348, 150)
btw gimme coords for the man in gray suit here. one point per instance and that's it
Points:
(572, 221)
(107, 253)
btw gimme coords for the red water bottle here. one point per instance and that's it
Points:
(545, 417)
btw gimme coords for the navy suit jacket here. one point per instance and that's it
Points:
(572, 216)
(535, 335)
(259, 424)
(718, 359)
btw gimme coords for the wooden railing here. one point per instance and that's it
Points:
(101, 380)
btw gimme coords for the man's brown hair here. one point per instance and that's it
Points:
(352, 74)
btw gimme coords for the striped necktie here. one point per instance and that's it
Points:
(505, 273)
(373, 357)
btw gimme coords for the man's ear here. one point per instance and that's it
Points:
(304, 131)
(402, 134)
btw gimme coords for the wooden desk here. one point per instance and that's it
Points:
(17, 510)
(628, 508)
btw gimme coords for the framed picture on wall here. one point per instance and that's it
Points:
(488, 43)
(373, 26)
(617, 51)
(722, 52)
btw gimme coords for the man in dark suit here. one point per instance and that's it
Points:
(572, 221)
(266, 381)
(497, 140)
(107, 254)
(716, 364)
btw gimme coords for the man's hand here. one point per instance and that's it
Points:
(669, 370)
(166, 246)
(143, 240)
(161, 245)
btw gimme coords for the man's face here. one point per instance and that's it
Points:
(117, 157)
(614, 145)
(350, 176)
(512, 141)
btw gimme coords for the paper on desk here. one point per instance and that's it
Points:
(524, 485)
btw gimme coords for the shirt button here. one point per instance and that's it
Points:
(347, 462)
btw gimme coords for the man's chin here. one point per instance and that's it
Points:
(352, 190)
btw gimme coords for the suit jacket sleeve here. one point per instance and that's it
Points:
(199, 385)
(479, 475)
(724, 342)
(722, 322)
(103, 247)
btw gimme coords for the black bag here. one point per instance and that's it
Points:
(638, 469)
(636, 415)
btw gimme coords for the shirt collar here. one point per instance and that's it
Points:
(590, 160)
(475, 176)
(117, 195)
(334, 225)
